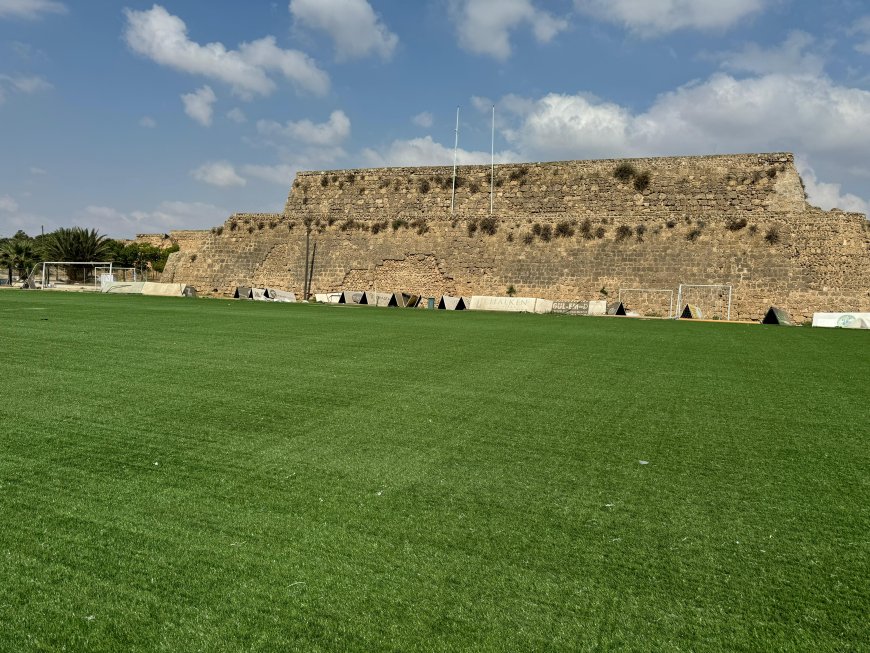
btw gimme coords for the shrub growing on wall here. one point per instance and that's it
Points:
(518, 174)
(489, 226)
(564, 229)
(624, 172)
(546, 233)
(772, 236)
(641, 181)
(420, 225)
(623, 233)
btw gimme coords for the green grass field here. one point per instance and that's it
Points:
(203, 475)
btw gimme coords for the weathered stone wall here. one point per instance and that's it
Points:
(565, 230)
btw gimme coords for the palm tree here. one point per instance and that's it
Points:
(76, 244)
(6, 257)
(19, 255)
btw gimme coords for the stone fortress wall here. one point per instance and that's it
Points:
(561, 230)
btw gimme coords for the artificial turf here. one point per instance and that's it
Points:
(204, 475)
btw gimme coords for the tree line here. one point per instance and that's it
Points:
(20, 253)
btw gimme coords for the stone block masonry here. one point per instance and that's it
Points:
(563, 230)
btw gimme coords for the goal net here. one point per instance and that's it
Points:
(649, 302)
(714, 300)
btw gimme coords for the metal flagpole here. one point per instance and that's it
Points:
(492, 164)
(455, 149)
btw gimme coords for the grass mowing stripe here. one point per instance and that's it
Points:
(365, 479)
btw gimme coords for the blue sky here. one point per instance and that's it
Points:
(140, 117)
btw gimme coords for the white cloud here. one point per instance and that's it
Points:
(218, 173)
(571, 127)
(803, 112)
(26, 85)
(199, 105)
(427, 152)
(30, 9)
(424, 120)
(22, 84)
(37, 171)
(167, 216)
(148, 122)
(296, 66)
(237, 115)
(27, 52)
(162, 37)
(352, 24)
(485, 26)
(829, 195)
(862, 27)
(481, 103)
(791, 57)
(654, 17)
(329, 133)
(281, 174)
(7, 204)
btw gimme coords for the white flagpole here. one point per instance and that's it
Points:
(455, 150)
(492, 165)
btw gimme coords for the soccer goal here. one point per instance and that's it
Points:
(75, 275)
(649, 302)
(713, 300)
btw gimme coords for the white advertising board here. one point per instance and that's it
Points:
(598, 307)
(511, 304)
(842, 320)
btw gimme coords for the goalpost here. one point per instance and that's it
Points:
(649, 301)
(714, 300)
(83, 275)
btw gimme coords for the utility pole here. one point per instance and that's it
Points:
(455, 149)
(492, 164)
(305, 268)
(311, 273)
